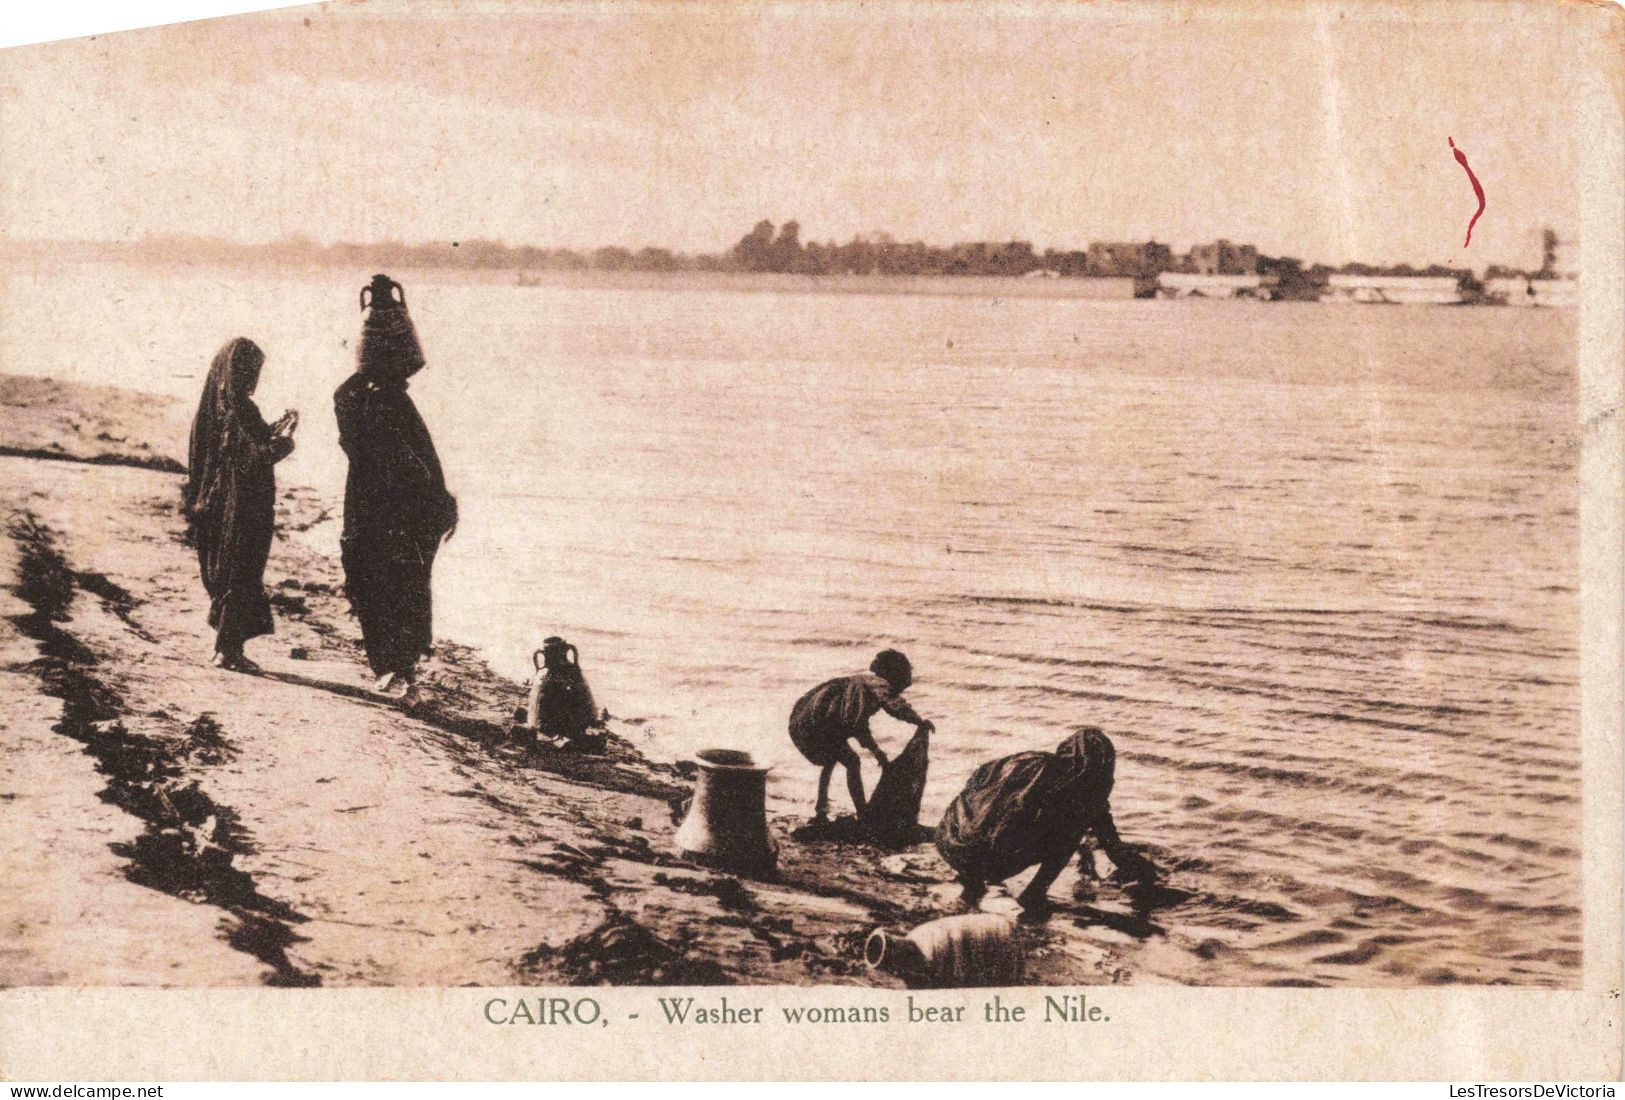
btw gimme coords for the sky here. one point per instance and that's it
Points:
(1313, 130)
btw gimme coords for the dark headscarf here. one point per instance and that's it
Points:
(1087, 753)
(223, 412)
(1082, 774)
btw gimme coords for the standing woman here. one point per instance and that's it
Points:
(230, 498)
(396, 507)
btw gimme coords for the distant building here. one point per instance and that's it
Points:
(1557, 293)
(1557, 257)
(1410, 290)
(1142, 260)
(1222, 258)
(1565, 263)
(1176, 284)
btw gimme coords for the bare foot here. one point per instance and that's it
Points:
(1034, 909)
(234, 662)
(971, 894)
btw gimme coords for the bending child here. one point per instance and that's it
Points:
(838, 711)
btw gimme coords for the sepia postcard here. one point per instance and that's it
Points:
(803, 540)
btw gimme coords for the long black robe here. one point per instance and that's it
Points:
(230, 495)
(1032, 808)
(396, 511)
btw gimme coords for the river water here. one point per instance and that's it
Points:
(1312, 567)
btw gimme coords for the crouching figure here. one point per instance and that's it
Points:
(1037, 808)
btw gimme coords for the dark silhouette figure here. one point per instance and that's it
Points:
(230, 498)
(396, 507)
(837, 711)
(1036, 808)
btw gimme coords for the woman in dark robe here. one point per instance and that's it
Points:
(396, 507)
(230, 498)
(1036, 808)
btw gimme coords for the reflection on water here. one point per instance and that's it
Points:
(1312, 567)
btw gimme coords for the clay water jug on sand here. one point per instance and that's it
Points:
(561, 703)
(726, 826)
(976, 949)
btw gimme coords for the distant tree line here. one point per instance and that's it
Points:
(767, 248)
(763, 249)
(473, 254)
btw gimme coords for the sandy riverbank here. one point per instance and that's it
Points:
(173, 824)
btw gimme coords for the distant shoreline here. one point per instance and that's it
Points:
(992, 286)
(964, 286)
(1072, 288)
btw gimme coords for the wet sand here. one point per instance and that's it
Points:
(174, 824)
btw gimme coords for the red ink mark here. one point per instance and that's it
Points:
(1461, 159)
